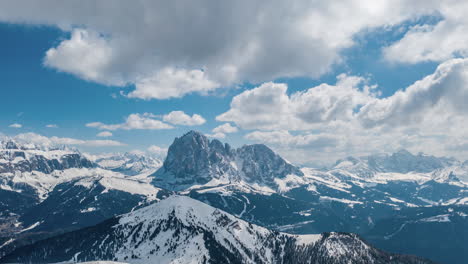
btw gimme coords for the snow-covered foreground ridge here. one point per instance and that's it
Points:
(182, 230)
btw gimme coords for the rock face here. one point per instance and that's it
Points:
(193, 159)
(182, 230)
(261, 164)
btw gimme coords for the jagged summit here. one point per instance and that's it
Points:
(193, 159)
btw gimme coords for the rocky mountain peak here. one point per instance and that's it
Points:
(261, 164)
(193, 159)
(403, 152)
(10, 144)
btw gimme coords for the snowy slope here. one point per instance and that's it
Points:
(36, 170)
(45, 189)
(182, 230)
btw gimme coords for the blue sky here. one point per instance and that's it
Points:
(71, 69)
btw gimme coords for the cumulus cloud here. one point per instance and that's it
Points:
(104, 134)
(134, 121)
(352, 100)
(181, 118)
(86, 54)
(158, 151)
(266, 106)
(52, 126)
(53, 141)
(270, 107)
(170, 82)
(225, 128)
(284, 138)
(221, 131)
(441, 93)
(217, 135)
(442, 41)
(15, 125)
(351, 118)
(168, 48)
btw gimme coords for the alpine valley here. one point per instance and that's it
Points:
(208, 202)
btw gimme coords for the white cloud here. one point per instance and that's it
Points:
(216, 135)
(104, 134)
(134, 121)
(158, 151)
(442, 41)
(103, 143)
(15, 125)
(86, 54)
(266, 106)
(52, 141)
(284, 138)
(225, 128)
(181, 118)
(428, 116)
(168, 48)
(148, 121)
(171, 82)
(441, 93)
(270, 107)
(221, 130)
(52, 126)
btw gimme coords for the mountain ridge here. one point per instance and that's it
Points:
(245, 182)
(193, 159)
(188, 231)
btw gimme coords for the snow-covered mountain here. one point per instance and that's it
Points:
(351, 196)
(399, 162)
(44, 190)
(194, 160)
(35, 170)
(130, 163)
(70, 190)
(16, 157)
(182, 230)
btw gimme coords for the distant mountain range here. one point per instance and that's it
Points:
(129, 163)
(392, 200)
(44, 191)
